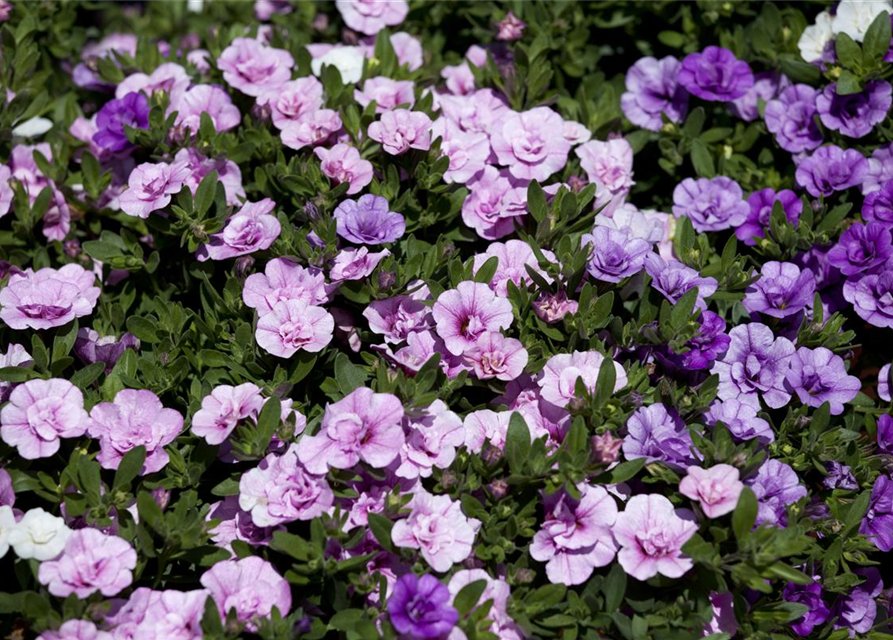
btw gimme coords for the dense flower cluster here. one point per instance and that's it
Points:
(312, 325)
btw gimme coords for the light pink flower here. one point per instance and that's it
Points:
(210, 99)
(355, 264)
(558, 378)
(342, 164)
(168, 77)
(76, 630)
(224, 408)
(530, 144)
(510, 28)
(254, 68)
(465, 313)
(16, 356)
(395, 318)
(431, 441)
(498, 591)
(436, 527)
(48, 297)
(495, 356)
(459, 79)
(92, 561)
(39, 413)
(160, 615)
(253, 228)
(293, 101)
(478, 112)
(575, 132)
(514, 257)
(371, 16)
(575, 537)
(609, 166)
(400, 130)
(280, 490)
(364, 425)
(716, 488)
(199, 166)
(495, 203)
(151, 187)
(292, 326)
(284, 279)
(236, 524)
(311, 129)
(387, 93)
(651, 534)
(57, 218)
(135, 418)
(553, 307)
(6, 192)
(486, 426)
(408, 50)
(468, 152)
(249, 586)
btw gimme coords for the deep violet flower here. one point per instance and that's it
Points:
(420, 607)
(715, 74)
(652, 90)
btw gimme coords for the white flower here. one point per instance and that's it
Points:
(348, 61)
(812, 42)
(33, 128)
(853, 17)
(39, 535)
(7, 524)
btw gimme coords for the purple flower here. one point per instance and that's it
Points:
(857, 610)
(791, 118)
(254, 68)
(885, 434)
(420, 607)
(861, 248)
(883, 382)
(652, 89)
(877, 524)
(741, 420)
(818, 376)
(880, 168)
(151, 187)
(92, 561)
(371, 16)
(707, 343)
(871, 295)
(782, 290)
(464, 314)
(755, 366)
(615, 255)
(388, 94)
(715, 74)
(558, 379)
(362, 426)
(292, 326)
(716, 489)
(840, 476)
(761, 204)
(284, 279)
(253, 228)
(135, 418)
(673, 279)
(400, 130)
(236, 524)
(249, 586)
(776, 486)
(855, 114)
(90, 347)
(811, 596)
(711, 204)
(496, 201)
(651, 534)
(495, 356)
(48, 298)
(210, 99)
(343, 164)
(766, 86)
(575, 536)
(368, 221)
(878, 205)
(526, 143)
(130, 111)
(831, 169)
(395, 318)
(658, 434)
(7, 492)
(39, 413)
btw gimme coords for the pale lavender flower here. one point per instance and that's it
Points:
(90, 347)
(495, 356)
(160, 615)
(465, 313)
(253, 228)
(652, 90)
(224, 408)
(395, 318)
(400, 130)
(658, 435)
(766, 86)
(368, 220)
(76, 630)
(673, 279)
(651, 534)
(284, 279)
(495, 203)
(776, 486)
(870, 295)
(513, 257)
(16, 356)
(716, 489)
(254, 68)
(782, 290)
(311, 129)
(818, 376)
(791, 118)
(741, 420)
(432, 438)
(343, 163)
(558, 379)
(527, 145)
(48, 298)
(854, 115)
(39, 413)
(210, 99)
(199, 166)
(615, 255)
(711, 204)
(355, 264)
(293, 101)
(151, 187)
(371, 16)
(831, 169)
(387, 94)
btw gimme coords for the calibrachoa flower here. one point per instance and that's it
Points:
(496, 590)
(558, 379)
(131, 110)
(711, 204)
(707, 344)
(284, 279)
(199, 166)
(292, 326)
(281, 490)
(253, 228)
(495, 356)
(818, 376)
(400, 130)
(673, 279)
(861, 248)
(250, 586)
(38, 535)
(362, 426)
(782, 290)
(396, 318)
(371, 16)
(857, 610)
(90, 347)
(343, 164)
(464, 314)
(609, 166)
(355, 264)
(870, 295)
(741, 420)
(467, 151)
(431, 441)
(168, 77)
(651, 533)
(791, 117)
(811, 596)
(575, 536)
(91, 561)
(716, 489)
(715, 74)
(658, 434)
(236, 524)
(776, 486)
(761, 204)
(76, 630)
(831, 169)
(48, 298)
(39, 413)
(254, 68)
(210, 99)
(877, 525)
(293, 101)
(436, 527)
(135, 418)
(368, 220)
(495, 203)
(765, 87)
(156, 615)
(614, 255)
(854, 114)
(224, 408)
(387, 94)
(526, 143)
(151, 187)
(754, 367)
(653, 90)
(878, 205)
(311, 129)
(419, 607)
(347, 60)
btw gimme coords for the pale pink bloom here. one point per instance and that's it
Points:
(400, 130)
(311, 129)
(459, 79)
(637, 224)
(92, 561)
(355, 264)
(420, 346)
(249, 586)
(210, 99)
(39, 413)
(395, 318)
(514, 257)
(224, 408)
(495, 203)
(369, 501)
(436, 527)
(236, 524)
(495, 356)
(6, 192)
(342, 164)
(575, 132)
(387, 93)
(478, 112)
(199, 166)
(292, 326)
(151, 187)
(575, 537)
(553, 307)
(530, 144)
(57, 218)
(716, 489)
(168, 77)
(371, 16)
(609, 166)
(160, 615)
(48, 297)
(498, 591)
(284, 279)
(465, 313)
(468, 152)
(76, 630)
(558, 378)
(651, 534)
(293, 101)
(510, 28)
(253, 228)
(200, 59)
(254, 68)
(135, 418)
(486, 426)
(431, 441)
(408, 50)
(364, 425)
(281, 490)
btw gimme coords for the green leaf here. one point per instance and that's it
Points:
(694, 123)
(88, 375)
(536, 201)
(129, 467)
(789, 574)
(204, 195)
(348, 375)
(848, 83)
(292, 545)
(848, 52)
(142, 329)
(267, 422)
(381, 528)
(17, 374)
(517, 443)
(102, 251)
(487, 271)
(876, 42)
(622, 472)
(468, 597)
(702, 159)
(614, 588)
(604, 384)
(150, 512)
(745, 514)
